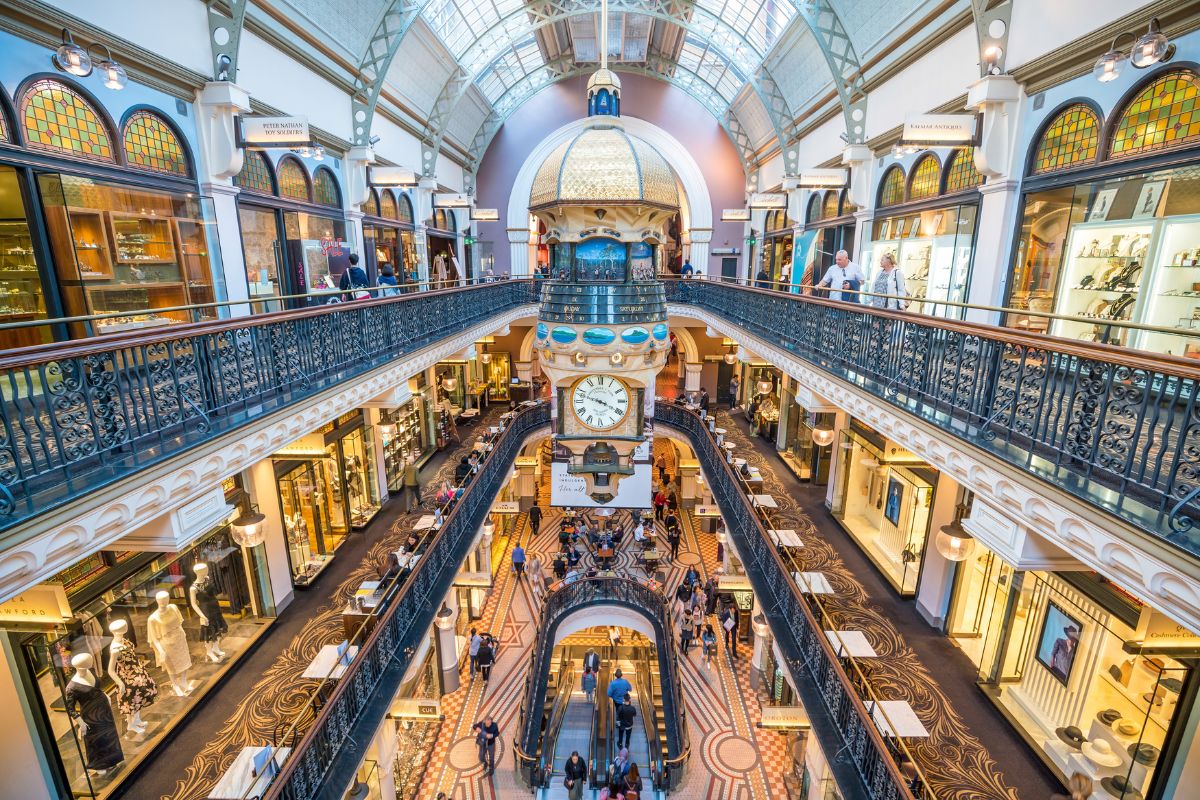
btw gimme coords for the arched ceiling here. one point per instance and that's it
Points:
(463, 66)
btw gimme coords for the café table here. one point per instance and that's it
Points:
(239, 781)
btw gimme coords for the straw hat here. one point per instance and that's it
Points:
(1100, 753)
(1126, 727)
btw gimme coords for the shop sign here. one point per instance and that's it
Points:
(391, 176)
(447, 200)
(784, 718)
(418, 708)
(42, 605)
(940, 129)
(1159, 632)
(735, 215)
(485, 215)
(822, 179)
(507, 507)
(332, 247)
(762, 200)
(262, 132)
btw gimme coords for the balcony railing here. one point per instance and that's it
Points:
(566, 599)
(329, 737)
(1118, 428)
(78, 415)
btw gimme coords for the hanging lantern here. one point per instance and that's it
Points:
(449, 383)
(248, 529)
(765, 387)
(953, 542)
(823, 436)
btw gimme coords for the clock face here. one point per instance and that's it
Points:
(600, 401)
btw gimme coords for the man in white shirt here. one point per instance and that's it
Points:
(838, 278)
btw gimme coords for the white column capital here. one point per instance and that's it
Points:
(858, 158)
(997, 98)
(358, 189)
(217, 105)
(518, 235)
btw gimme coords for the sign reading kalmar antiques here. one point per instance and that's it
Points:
(821, 179)
(768, 200)
(940, 129)
(45, 604)
(273, 131)
(447, 200)
(391, 176)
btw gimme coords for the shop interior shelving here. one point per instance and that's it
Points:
(21, 296)
(403, 446)
(1173, 295)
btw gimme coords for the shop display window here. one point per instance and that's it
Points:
(452, 383)
(1066, 669)
(22, 297)
(499, 375)
(147, 678)
(125, 249)
(305, 500)
(404, 442)
(934, 250)
(982, 584)
(1125, 249)
(355, 490)
(317, 250)
(260, 247)
(882, 498)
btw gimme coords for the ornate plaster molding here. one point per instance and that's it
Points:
(1150, 569)
(54, 541)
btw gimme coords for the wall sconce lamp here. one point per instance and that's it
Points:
(1149, 49)
(79, 61)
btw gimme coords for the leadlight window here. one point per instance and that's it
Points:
(891, 191)
(387, 205)
(293, 182)
(830, 208)
(1162, 116)
(814, 208)
(373, 204)
(151, 144)
(962, 174)
(59, 120)
(1070, 139)
(926, 178)
(255, 174)
(3, 129)
(325, 189)
(406, 209)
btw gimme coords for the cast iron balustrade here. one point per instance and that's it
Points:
(79, 415)
(323, 760)
(839, 718)
(565, 599)
(1117, 428)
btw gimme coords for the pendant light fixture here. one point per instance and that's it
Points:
(72, 58)
(952, 541)
(113, 73)
(730, 356)
(247, 529)
(822, 436)
(1152, 47)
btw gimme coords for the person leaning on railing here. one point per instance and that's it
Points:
(890, 282)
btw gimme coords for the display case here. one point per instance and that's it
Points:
(404, 444)
(21, 295)
(934, 251)
(1102, 279)
(1173, 299)
(303, 502)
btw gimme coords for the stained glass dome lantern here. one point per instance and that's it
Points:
(604, 94)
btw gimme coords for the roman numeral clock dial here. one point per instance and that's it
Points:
(600, 401)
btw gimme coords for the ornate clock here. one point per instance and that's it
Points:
(600, 402)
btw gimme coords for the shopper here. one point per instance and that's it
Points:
(660, 464)
(591, 660)
(535, 519)
(473, 651)
(518, 561)
(673, 540)
(703, 400)
(633, 781)
(589, 684)
(354, 281)
(688, 269)
(486, 657)
(697, 619)
(1079, 787)
(486, 734)
(620, 767)
(625, 715)
(576, 774)
(619, 688)
(734, 386)
(762, 280)
(729, 623)
(710, 596)
(462, 470)
(843, 279)
(708, 641)
(412, 487)
(660, 504)
(389, 286)
(685, 636)
(889, 281)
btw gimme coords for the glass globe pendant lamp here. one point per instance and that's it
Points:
(952, 541)
(1150, 48)
(822, 436)
(72, 58)
(248, 529)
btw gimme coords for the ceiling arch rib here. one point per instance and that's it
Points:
(713, 45)
(823, 20)
(390, 31)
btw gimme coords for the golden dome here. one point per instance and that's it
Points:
(603, 165)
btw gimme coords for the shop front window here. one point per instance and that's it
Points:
(317, 251)
(404, 441)
(304, 499)
(355, 492)
(499, 374)
(934, 251)
(1065, 673)
(882, 499)
(24, 297)
(982, 584)
(150, 656)
(123, 249)
(261, 249)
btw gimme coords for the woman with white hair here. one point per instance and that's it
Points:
(889, 281)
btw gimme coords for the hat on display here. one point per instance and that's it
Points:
(1108, 716)
(1144, 753)
(1119, 786)
(1071, 735)
(1126, 727)
(1100, 753)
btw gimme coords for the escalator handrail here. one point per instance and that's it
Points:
(653, 745)
(554, 724)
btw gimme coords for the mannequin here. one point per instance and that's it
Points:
(89, 704)
(135, 688)
(203, 595)
(165, 634)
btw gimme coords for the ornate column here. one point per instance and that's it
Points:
(358, 191)
(518, 252)
(447, 649)
(689, 488)
(858, 158)
(217, 105)
(691, 376)
(373, 416)
(422, 198)
(698, 250)
(484, 550)
(762, 648)
(526, 480)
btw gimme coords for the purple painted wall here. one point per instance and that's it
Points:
(664, 105)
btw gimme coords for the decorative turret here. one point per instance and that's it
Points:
(604, 87)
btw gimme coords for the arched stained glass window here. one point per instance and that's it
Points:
(406, 209)
(814, 208)
(372, 207)
(830, 207)
(59, 120)
(891, 189)
(255, 174)
(926, 178)
(293, 182)
(451, 221)
(1162, 116)
(962, 174)
(4, 137)
(387, 204)
(151, 144)
(1071, 138)
(325, 189)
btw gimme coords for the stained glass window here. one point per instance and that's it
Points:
(891, 190)
(1162, 116)
(372, 206)
(406, 209)
(60, 120)
(255, 174)
(3, 129)
(151, 144)
(962, 174)
(926, 178)
(293, 182)
(814, 207)
(1071, 138)
(387, 205)
(325, 189)
(830, 208)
